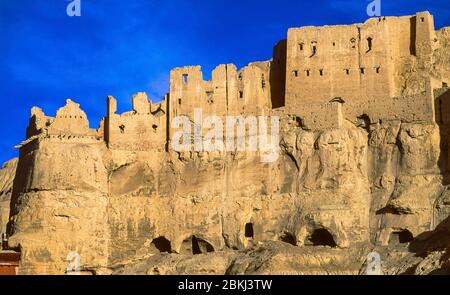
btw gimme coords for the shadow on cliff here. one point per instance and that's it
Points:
(442, 109)
(437, 240)
(278, 75)
(21, 180)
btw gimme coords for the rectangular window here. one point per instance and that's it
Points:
(185, 78)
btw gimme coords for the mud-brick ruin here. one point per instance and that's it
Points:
(363, 166)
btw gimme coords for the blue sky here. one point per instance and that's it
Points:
(119, 47)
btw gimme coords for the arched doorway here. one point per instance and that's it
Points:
(403, 236)
(249, 233)
(194, 245)
(162, 245)
(322, 237)
(288, 238)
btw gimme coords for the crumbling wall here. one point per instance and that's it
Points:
(365, 64)
(142, 129)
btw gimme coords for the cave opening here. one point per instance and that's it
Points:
(162, 244)
(249, 230)
(195, 245)
(400, 237)
(288, 238)
(322, 237)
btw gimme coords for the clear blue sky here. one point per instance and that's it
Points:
(119, 47)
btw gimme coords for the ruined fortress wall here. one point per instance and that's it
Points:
(323, 116)
(414, 108)
(139, 130)
(310, 50)
(360, 63)
(70, 119)
(188, 91)
(229, 92)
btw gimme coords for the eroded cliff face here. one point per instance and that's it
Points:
(60, 204)
(7, 174)
(329, 197)
(117, 207)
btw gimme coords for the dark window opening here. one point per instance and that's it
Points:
(369, 44)
(179, 101)
(322, 237)
(363, 122)
(377, 69)
(249, 230)
(155, 127)
(185, 78)
(288, 238)
(412, 34)
(321, 72)
(401, 237)
(295, 73)
(300, 46)
(240, 77)
(347, 71)
(313, 49)
(422, 19)
(353, 41)
(307, 73)
(334, 43)
(200, 246)
(362, 70)
(162, 244)
(263, 81)
(209, 95)
(444, 84)
(122, 128)
(241, 94)
(194, 245)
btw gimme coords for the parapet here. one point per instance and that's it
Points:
(71, 120)
(69, 125)
(142, 129)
